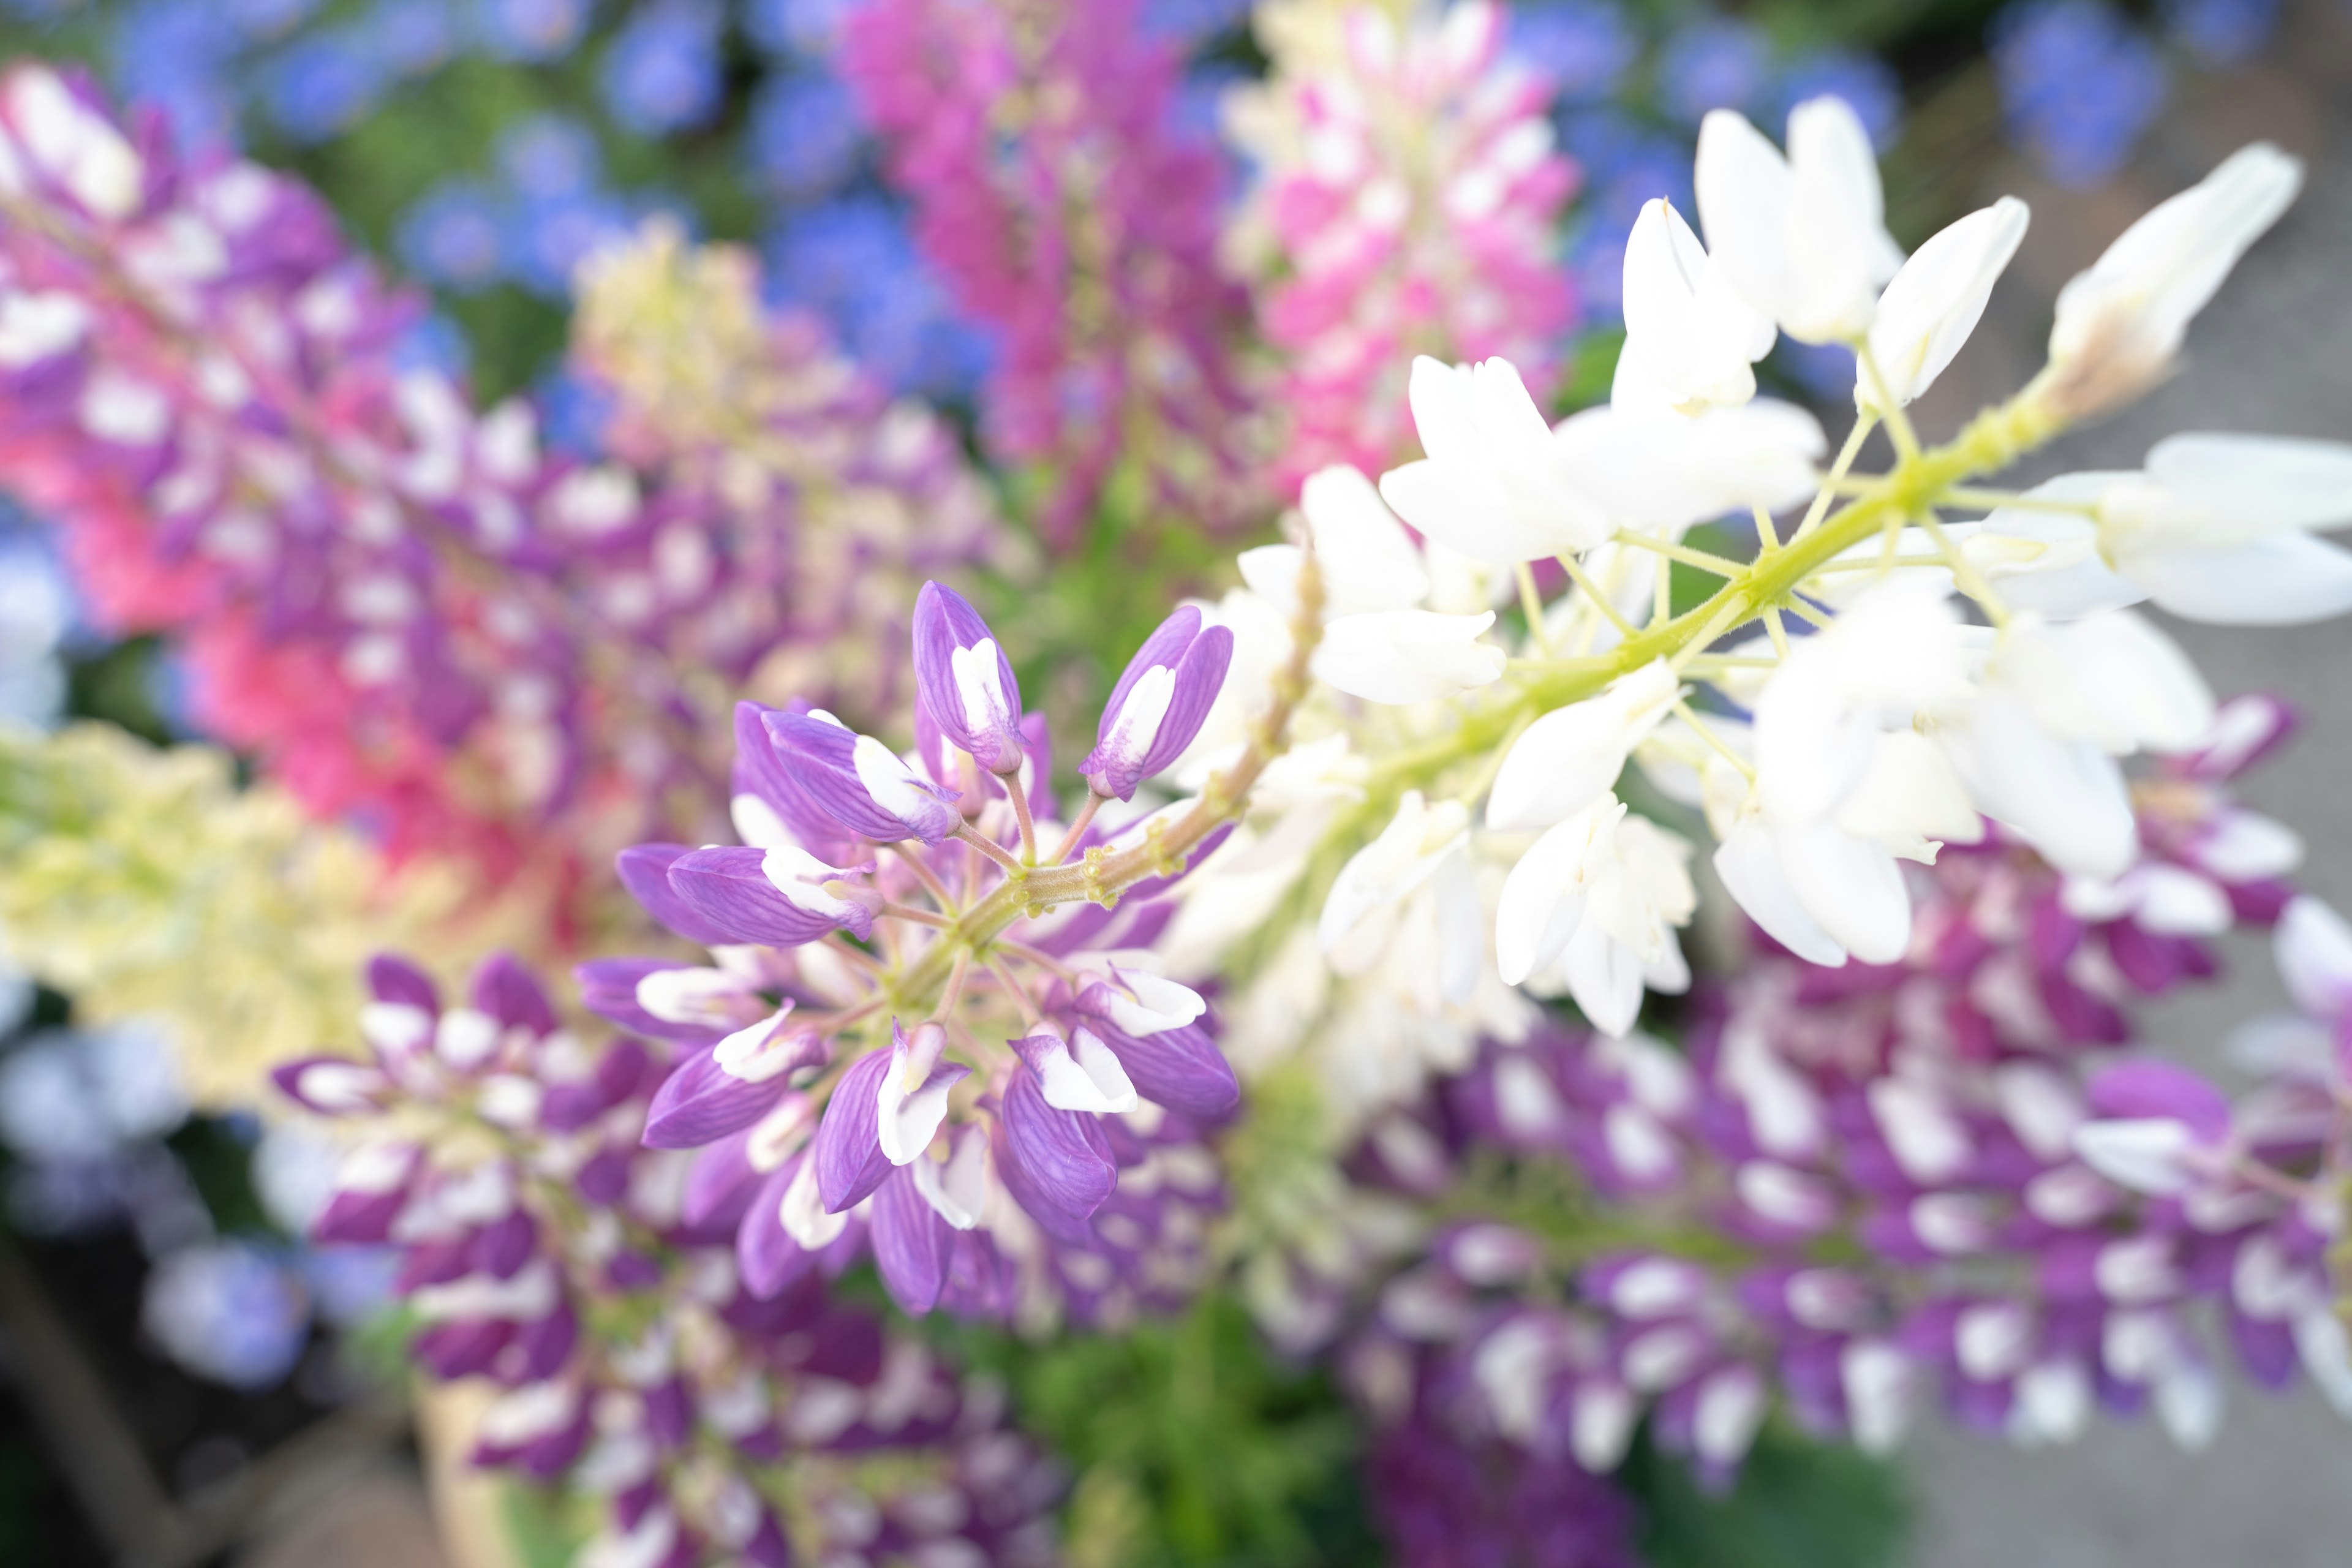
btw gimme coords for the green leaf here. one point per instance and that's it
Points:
(1798, 1504)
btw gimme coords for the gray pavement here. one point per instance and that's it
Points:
(2274, 353)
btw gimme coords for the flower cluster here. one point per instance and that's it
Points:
(921, 1029)
(1071, 214)
(146, 885)
(1861, 1186)
(541, 1248)
(1883, 725)
(408, 611)
(1407, 203)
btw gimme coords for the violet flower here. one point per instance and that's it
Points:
(1162, 701)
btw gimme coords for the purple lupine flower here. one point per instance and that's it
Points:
(525, 1238)
(856, 780)
(1161, 699)
(964, 682)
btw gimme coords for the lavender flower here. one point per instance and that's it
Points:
(588, 1277)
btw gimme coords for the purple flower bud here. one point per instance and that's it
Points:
(858, 783)
(850, 1163)
(1057, 1164)
(767, 1253)
(912, 1244)
(1159, 704)
(644, 872)
(781, 897)
(963, 680)
(732, 1085)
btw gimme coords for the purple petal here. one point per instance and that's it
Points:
(720, 1174)
(2151, 1089)
(1165, 646)
(822, 758)
(729, 889)
(759, 771)
(848, 1145)
(1056, 1164)
(608, 988)
(504, 1246)
(769, 1259)
(911, 1243)
(1199, 678)
(332, 1086)
(644, 872)
(702, 1102)
(395, 979)
(1181, 1068)
(944, 623)
(508, 992)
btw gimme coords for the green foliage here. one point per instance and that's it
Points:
(1798, 1504)
(1193, 1447)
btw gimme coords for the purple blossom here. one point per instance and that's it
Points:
(1161, 699)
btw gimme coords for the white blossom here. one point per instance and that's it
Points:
(1689, 337)
(1569, 757)
(1598, 895)
(1408, 656)
(1490, 487)
(1936, 301)
(1803, 238)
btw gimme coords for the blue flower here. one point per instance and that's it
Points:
(2079, 84)
(546, 240)
(1869, 87)
(573, 413)
(228, 1310)
(1625, 164)
(1714, 64)
(852, 262)
(809, 27)
(412, 36)
(804, 137)
(453, 236)
(1580, 46)
(321, 86)
(175, 54)
(661, 69)
(2221, 32)
(525, 31)
(265, 18)
(1191, 22)
(548, 155)
(435, 344)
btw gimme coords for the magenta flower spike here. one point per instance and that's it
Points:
(963, 680)
(1159, 705)
(858, 782)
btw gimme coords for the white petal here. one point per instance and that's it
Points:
(1543, 898)
(1408, 656)
(1852, 887)
(2313, 946)
(2067, 797)
(1367, 558)
(1569, 757)
(2286, 580)
(1604, 976)
(2267, 481)
(2144, 1155)
(1937, 299)
(1749, 864)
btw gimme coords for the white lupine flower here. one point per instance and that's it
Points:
(1490, 487)
(2213, 529)
(1803, 238)
(1408, 656)
(1936, 301)
(1658, 471)
(1367, 560)
(1569, 757)
(1422, 845)
(2054, 707)
(1816, 889)
(1598, 895)
(2119, 323)
(1689, 337)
